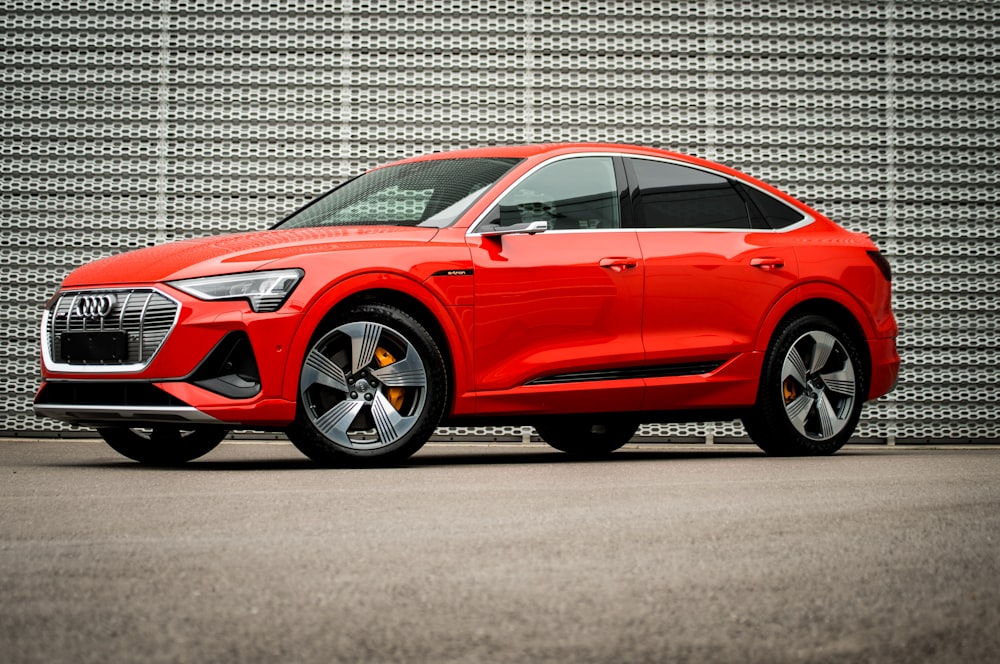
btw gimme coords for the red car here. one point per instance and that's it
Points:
(583, 289)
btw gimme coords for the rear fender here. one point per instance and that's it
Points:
(812, 291)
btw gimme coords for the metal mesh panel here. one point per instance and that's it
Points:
(129, 124)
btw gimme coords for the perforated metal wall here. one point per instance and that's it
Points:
(132, 123)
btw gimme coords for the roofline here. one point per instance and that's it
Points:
(532, 150)
(546, 150)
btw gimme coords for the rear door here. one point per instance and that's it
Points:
(710, 276)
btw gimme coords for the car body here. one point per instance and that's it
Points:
(581, 288)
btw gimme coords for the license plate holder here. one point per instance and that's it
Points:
(99, 346)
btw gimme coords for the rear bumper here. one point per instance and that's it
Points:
(885, 366)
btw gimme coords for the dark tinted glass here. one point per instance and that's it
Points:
(425, 193)
(776, 214)
(672, 196)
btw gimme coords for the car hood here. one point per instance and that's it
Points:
(242, 252)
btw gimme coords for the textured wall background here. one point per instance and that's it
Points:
(132, 123)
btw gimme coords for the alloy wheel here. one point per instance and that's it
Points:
(818, 385)
(363, 385)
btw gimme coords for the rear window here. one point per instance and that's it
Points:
(776, 214)
(425, 193)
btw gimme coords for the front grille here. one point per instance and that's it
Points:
(144, 315)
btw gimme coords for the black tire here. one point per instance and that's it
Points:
(372, 390)
(812, 388)
(163, 444)
(585, 438)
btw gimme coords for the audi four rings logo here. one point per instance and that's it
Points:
(94, 306)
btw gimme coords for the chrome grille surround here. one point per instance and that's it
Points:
(145, 315)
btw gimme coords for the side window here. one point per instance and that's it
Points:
(571, 194)
(673, 196)
(776, 213)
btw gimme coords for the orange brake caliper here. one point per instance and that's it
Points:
(790, 390)
(393, 394)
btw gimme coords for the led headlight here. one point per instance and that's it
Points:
(265, 291)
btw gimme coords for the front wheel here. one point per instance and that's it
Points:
(162, 444)
(372, 390)
(585, 438)
(811, 390)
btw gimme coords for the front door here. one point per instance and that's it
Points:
(558, 313)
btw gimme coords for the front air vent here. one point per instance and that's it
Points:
(123, 394)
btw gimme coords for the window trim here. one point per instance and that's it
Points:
(624, 214)
(634, 192)
(628, 188)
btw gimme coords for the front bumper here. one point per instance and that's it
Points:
(221, 363)
(135, 416)
(137, 404)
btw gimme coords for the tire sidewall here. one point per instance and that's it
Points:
(314, 444)
(769, 424)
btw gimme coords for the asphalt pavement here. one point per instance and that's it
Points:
(500, 553)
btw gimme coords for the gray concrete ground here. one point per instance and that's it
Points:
(473, 553)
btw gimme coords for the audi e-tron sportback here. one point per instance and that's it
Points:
(583, 289)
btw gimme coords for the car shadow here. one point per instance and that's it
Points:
(249, 457)
(545, 456)
(434, 458)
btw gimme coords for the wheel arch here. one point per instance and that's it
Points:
(409, 305)
(839, 308)
(399, 292)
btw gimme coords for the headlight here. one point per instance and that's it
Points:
(265, 291)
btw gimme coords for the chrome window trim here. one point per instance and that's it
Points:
(747, 231)
(473, 230)
(61, 367)
(805, 221)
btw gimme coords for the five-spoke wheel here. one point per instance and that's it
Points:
(371, 387)
(818, 385)
(811, 390)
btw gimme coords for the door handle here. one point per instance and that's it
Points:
(768, 262)
(619, 264)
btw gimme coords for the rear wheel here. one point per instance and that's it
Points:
(163, 444)
(811, 390)
(372, 389)
(581, 437)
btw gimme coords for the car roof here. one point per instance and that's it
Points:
(526, 151)
(553, 149)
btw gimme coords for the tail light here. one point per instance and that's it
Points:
(882, 263)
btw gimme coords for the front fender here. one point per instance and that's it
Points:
(449, 318)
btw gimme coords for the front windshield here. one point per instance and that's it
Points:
(423, 193)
